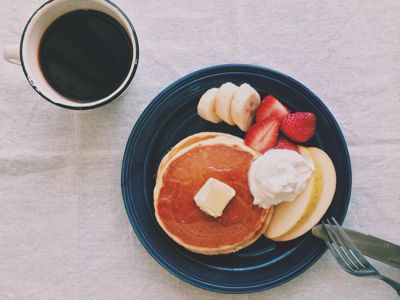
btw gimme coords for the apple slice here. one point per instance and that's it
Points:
(325, 183)
(269, 216)
(287, 214)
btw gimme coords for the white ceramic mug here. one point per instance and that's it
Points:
(26, 53)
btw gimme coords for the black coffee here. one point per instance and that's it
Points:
(85, 55)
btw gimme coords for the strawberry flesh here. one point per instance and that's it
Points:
(263, 135)
(299, 127)
(284, 143)
(270, 106)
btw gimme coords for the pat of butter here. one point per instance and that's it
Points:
(213, 197)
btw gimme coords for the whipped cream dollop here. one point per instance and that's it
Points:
(278, 175)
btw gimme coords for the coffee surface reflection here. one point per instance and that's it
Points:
(85, 55)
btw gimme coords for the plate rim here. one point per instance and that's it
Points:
(157, 100)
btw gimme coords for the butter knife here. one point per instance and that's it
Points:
(369, 245)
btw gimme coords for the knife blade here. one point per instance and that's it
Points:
(369, 245)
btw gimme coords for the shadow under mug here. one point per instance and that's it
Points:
(26, 53)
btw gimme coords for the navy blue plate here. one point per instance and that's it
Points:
(172, 116)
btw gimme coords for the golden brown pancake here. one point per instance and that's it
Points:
(184, 171)
(202, 136)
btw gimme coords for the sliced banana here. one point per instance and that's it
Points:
(224, 100)
(244, 105)
(206, 106)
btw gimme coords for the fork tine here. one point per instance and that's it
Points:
(338, 259)
(339, 244)
(336, 251)
(353, 259)
(348, 243)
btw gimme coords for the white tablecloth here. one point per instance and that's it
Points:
(64, 233)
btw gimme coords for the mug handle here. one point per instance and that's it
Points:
(11, 54)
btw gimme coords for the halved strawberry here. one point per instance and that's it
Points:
(299, 127)
(284, 143)
(270, 106)
(263, 135)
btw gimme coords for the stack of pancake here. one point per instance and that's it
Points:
(181, 174)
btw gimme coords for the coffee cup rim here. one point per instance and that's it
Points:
(135, 63)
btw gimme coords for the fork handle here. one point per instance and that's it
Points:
(390, 282)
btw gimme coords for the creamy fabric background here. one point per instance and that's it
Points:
(64, 233)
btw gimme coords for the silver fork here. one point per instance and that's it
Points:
(349, 256)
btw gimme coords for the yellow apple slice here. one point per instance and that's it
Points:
(325, 185)
(287, 214)
(269, 216)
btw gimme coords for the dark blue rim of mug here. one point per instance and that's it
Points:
(135, 62)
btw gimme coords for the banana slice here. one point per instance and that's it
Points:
(224, 100)
(206, 106)
(244, 105)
